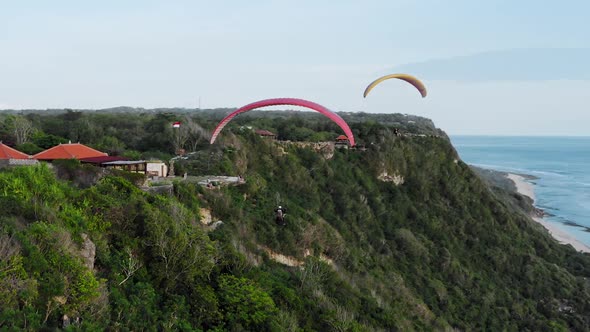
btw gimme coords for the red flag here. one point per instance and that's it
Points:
(176, 124)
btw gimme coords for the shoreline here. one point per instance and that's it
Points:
(526, 188)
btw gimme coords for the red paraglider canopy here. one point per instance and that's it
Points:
(286, 101)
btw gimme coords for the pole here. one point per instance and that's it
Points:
(177, 140)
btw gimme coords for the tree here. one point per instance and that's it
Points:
(195, 133)
(130, 265)
(111, 145)
(29, 148)
(244, 302)
(47, 141)
(179, 138)
(21, 128)
(180, 251)
(157, 133)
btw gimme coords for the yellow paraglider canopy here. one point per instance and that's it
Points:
(408, 78)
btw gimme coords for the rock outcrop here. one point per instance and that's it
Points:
(88, 251)
(397, 179)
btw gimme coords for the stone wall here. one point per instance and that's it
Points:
(18, 162)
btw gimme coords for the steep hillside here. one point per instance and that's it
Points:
(401, 236)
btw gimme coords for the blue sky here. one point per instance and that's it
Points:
(480, 60)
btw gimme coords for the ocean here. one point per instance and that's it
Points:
(561, 164)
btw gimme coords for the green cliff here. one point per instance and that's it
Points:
(400, 235)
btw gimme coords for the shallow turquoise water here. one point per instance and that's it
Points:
(562, 165)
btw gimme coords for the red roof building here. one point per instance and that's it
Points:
(69, 151)
(6, 152)
(342, 141)
(263, 132)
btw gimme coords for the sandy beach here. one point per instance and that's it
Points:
(526, 188)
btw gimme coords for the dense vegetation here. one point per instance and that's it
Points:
(149, 133)
(435, 249)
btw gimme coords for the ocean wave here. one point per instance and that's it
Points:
(509, 169)
(502, 168)
(547, 207)
(563, 186)
(550, 173)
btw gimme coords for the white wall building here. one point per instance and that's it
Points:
(156, 168)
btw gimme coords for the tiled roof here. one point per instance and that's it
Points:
(263, 132)
(69, 151)
(341, 138)
(6, 152)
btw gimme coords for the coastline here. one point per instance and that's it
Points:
(527, 189)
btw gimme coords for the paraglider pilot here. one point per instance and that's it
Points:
(280, 215)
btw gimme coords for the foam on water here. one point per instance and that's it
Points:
(561, 164)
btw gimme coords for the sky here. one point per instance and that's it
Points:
(491, 68)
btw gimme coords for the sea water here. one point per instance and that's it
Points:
(561, 165)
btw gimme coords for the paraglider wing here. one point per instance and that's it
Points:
(286, 101)
(408, 78)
